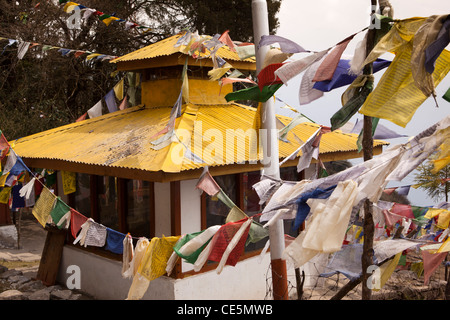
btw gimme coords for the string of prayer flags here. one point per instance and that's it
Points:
(343, 77)
(23, 47)
(69, 6)
(286, 45)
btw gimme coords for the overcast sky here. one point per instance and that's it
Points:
(317, 25)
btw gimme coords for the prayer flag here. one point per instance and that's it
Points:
(286, 45)
(96, 110)
(110, 100)
(5, 194)
(431, 262)
(76, 221)
(44, 206)
(59, 211)
(69, 180)
(83, 117)
(396, 97)
(114, 241)
(154, 262)
(253, 93)
(123, 105)
(326, 69)
(268, 77)
(118, 89)
(225, 38)
(208, 184)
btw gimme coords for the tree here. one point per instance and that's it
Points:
(436, 185)
(45, 89)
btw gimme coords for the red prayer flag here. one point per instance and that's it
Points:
(267, 76)
(430, 263)
(225, 38)
(76, 221)
(329, 64)
(223, 237)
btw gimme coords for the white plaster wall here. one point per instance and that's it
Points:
(101, 278)
(162, 209)
(190, 207)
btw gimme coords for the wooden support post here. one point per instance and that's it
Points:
(51, 255)
(368, 227)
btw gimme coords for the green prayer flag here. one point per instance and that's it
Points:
(193, 256)
(59, 210)
(350, 108)
(254, 93)
(446, 95)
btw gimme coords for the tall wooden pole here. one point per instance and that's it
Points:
(367, 143)
(271, 155)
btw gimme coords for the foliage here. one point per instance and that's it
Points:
(45, 89)
(435, 185)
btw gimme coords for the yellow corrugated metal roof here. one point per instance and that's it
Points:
(123, 139)
(167, 47)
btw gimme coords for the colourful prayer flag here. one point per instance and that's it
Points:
(44, 206)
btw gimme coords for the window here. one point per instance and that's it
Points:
(216, 211)
(108, 202)
(138, 207)
(82, 195)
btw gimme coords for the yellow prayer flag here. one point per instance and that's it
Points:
(108, 21)
(387, 269)
(3, 179)
(217, 73)
(44, 206)
(4, 195)
(68, 7)
(154, 262)
(443, 220)
(445, 247)
(433, 212)
(69, 180)
(396, 97)
(118, 90)
(92, 56)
